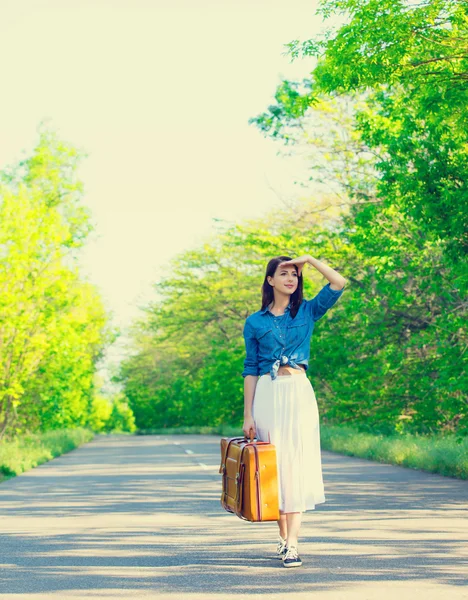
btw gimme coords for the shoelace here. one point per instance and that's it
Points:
(291, 553)
(281, 545)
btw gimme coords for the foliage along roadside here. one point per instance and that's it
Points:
(445, 455)
(110, 416)
(381, 122)
(442, 454)
(407, 62)
(28, 451)
(387, 354)
(53, 324)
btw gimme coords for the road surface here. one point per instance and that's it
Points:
(139, 517)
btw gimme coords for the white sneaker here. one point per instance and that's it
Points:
(291, 558)
(281, 547)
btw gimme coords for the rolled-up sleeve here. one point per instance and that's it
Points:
(324, 300)
(251, 351)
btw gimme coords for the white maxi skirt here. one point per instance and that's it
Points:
(286, 414)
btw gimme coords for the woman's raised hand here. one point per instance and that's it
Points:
(300, 261)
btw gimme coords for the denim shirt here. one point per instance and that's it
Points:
(272, 341)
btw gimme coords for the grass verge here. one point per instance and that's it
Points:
(30, 450)
(445, 455)
(442, 454)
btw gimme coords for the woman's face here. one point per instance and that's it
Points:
(285, 280)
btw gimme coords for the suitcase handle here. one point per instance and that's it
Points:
(244, 437)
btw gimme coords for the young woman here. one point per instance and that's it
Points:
(279, 402)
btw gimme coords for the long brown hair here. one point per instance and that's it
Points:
(267, 290)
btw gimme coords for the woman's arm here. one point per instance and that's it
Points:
(250, 374)
(248, 427)
(337, 281)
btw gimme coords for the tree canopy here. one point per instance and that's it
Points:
(53, 325)
(381, 122)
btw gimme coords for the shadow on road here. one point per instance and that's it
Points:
(139, 513)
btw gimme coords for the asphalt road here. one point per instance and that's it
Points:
(139, 517)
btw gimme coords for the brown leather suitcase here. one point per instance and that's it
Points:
(250, 479)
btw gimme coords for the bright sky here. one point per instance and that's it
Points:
(158, 93)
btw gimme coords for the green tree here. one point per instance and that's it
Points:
(402, 67)
(188, 350)
(52, 324)
(381, 122)
(410, 60)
